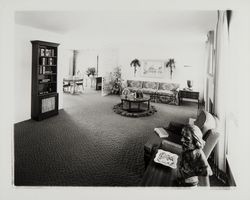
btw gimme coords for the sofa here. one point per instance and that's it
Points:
(158, 91)
(208, 124)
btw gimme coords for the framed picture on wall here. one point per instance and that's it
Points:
(152, 68)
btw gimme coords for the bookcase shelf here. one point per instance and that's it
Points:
(44, 96)
(47, 82)
(48, 65)
(48, 56)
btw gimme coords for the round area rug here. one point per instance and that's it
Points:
(118, 109)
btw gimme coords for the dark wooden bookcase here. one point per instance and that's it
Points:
(44, 96)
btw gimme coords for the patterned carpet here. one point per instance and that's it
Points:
(88, 144)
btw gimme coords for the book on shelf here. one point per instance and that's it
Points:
(48, 72)
(43, 92)
(47, 52)
(52, 52)
(46, 80)
(40, 69)
(42, 52)
(43, 61)
(51, 61)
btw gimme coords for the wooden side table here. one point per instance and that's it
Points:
(189, 94)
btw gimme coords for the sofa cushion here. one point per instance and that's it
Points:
(150, 85)
(165, 92)
(168, 86)
(205, 121)
(148, 91)
(132, 89)
(134, 84)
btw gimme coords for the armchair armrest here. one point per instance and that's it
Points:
(171, 147)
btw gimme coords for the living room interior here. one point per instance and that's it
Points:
(89, 144)
(186, 44)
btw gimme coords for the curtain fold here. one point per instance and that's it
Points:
(221, 80)
(209, 73)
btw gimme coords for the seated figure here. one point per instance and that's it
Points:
(193, 162)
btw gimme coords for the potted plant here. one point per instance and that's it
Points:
(116, 81)
(171, 65)
(135, 63)
(91, 74)
(90, 71)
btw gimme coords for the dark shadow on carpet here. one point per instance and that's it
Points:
(88, 144)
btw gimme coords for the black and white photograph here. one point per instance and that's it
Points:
(100, 99)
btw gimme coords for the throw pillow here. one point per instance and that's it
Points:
(205, 121)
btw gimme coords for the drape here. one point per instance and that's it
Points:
(220, 83)
(209, 81)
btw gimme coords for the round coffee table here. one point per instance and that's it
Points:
(133, 100)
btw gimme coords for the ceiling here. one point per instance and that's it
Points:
(121, 24)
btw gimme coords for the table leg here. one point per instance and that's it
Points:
(122, 103)
(139, 106)
(72, 89)
(129, 105)
(148, 104)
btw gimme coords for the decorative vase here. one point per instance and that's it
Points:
(190, 84)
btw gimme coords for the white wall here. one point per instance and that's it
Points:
(85, 59)
(184, 53)
(6, 99)
(191, 53)
(107, 59)
(22, 74)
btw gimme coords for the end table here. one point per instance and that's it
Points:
(189, 94)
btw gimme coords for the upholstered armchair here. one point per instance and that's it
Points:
(209, 127)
